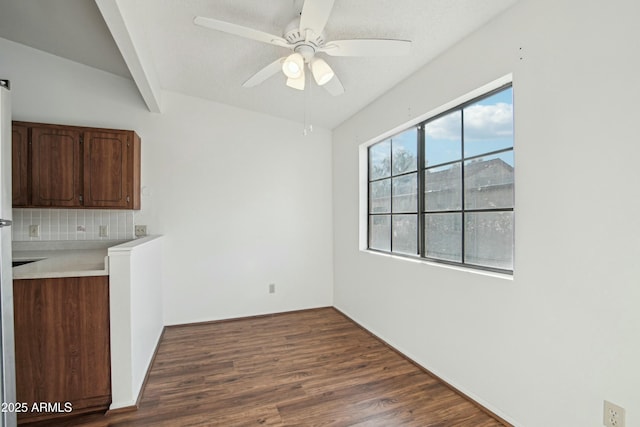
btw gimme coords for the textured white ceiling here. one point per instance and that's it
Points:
(209, 64)
(213, 65)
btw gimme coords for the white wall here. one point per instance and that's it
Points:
(136, 315)
(243, 198)
(546, 348)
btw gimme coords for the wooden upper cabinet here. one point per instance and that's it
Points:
(68, 166)
(55, 167)
(111, 170)
(20, 163)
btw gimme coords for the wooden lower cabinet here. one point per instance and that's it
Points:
(62, 346)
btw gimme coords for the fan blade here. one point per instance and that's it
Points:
(367, 47)
(334, 86)
(241, 31)
(265, 73)
(315, 14)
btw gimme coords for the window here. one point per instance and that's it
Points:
(393, 194)
(444, 190)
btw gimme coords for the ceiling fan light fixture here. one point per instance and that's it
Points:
(322, 72)
(305, 37)
(296, 83)
(293, 66)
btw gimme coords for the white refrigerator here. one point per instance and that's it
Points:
(7, 355)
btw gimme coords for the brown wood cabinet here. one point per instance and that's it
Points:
(20, 163)
(62, 344)
(55, 167)
(111, 169)
(77, 167)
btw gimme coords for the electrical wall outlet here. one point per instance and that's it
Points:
(104, 231)
(613, 415)
(272, 288)
(140, 230)
(34, 230)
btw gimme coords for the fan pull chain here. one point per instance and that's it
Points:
(308, 127)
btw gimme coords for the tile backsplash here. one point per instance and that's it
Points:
(72, 224)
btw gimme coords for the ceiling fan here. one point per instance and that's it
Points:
(305, 37)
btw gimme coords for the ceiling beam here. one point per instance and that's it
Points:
(135, 53)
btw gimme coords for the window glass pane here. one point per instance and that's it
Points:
(380, 232)
(380, 196)
(488, 239)
(443, 236)
(443, 188)
(405, 237)
(405, 151)
(405, 193)
(488, 182)
(380, 160)
(443, 140)
(488, 124)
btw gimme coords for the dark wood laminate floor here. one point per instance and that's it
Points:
(309, 368)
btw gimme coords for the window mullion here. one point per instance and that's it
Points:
(369, 198)
(391, 195)
(421, 204)
(462, 170)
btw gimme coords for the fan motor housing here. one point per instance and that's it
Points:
(294, 36)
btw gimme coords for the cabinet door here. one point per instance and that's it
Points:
(109, 170)
(56, 167)
(19, 163)
(62, 343)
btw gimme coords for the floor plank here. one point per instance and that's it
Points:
(307, 368)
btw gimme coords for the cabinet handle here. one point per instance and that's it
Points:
(80, 197)
(128, 199)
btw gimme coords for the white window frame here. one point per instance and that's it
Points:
(459, 102)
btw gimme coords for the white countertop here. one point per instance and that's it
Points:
(62, 259)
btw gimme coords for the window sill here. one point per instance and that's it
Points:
(498, 275)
